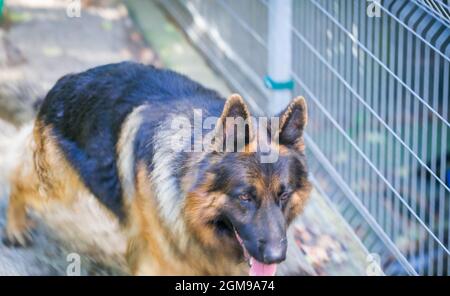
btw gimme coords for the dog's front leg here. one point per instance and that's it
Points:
(18, 226)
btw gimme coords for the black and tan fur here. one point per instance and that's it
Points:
(106, 131)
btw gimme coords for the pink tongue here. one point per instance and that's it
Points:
(261, 269)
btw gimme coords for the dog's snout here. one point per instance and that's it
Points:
(273, 252)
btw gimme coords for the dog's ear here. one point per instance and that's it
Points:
(234, 127)
(292, 123)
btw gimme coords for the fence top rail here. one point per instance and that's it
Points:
(439, 17)
(443, 55)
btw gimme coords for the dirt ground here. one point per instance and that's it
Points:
(38, 44)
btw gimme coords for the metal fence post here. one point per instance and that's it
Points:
(279, 75)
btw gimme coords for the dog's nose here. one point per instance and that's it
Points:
(273, 252)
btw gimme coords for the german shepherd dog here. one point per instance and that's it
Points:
(109, 132)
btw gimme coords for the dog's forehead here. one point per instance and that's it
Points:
(250, 167)
(244, 171)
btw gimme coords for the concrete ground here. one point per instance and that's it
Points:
(38, 44)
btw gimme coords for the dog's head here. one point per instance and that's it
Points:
(242, 205)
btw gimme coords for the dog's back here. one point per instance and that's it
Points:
(86, 112)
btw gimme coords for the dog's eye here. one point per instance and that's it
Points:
(284, 196)
(245, 196)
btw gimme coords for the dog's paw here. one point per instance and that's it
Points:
(17, 238)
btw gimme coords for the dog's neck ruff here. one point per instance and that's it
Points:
(168, 194)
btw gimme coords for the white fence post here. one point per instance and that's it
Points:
(279, 77)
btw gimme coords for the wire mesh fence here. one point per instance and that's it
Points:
(376, 75)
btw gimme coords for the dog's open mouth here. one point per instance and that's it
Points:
(256, 268)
